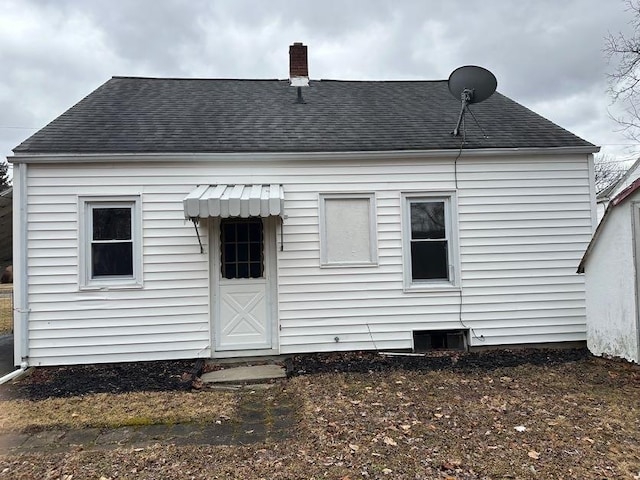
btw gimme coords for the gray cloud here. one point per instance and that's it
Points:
(545, 54)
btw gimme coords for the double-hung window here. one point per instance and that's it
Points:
(430, 241)
(110, 242)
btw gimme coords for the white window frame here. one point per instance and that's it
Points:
(451, 232)
(373, 235)
(85, 235)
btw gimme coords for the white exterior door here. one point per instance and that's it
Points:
(242, 309)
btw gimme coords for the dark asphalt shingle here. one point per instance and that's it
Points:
(135, 115)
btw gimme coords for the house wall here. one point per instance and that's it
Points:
(610, 274)
(524, 224)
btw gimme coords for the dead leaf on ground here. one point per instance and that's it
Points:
(390, 441)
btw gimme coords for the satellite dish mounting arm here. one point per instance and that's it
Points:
(466, 97)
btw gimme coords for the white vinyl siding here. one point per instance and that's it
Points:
(347, 230)
(524, 222)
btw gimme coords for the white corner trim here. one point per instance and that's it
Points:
(20, 255)
(593, 199)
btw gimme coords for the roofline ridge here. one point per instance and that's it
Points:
(337, 80)
(382, 81)
(133, 77)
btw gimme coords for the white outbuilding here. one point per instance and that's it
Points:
(611, 265)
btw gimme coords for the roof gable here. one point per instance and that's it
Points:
(152, 115)
(619, 199)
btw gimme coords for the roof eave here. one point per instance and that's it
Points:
(594, 238)
(20, 157)
(617, 200)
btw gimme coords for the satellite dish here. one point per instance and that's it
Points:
(480, 81)
(471, 84)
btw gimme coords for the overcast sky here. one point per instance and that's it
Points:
(546, 54)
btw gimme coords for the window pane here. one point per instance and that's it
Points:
(243, 232)
(427, 220)
(229, 270)
(255, 252)
(111, 223)
(111, 259)
(228, 232)
(242, 258)
(255, 269)
(243, 270)
(229, 252)
(243, 252)
(429, 260)
(255, 231)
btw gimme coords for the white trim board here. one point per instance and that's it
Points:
(289, 156)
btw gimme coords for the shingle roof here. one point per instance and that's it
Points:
(135, 115)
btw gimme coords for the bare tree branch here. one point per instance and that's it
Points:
(624, 81)
(4, 175)
(607, 171)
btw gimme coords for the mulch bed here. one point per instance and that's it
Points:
(75, 380)
(364, 362)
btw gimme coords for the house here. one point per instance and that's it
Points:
(192, 218)
(610, 265)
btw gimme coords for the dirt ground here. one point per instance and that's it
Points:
(527, 414)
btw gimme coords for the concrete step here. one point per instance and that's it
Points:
(252, 374)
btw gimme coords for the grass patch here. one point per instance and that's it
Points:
(115, 410)
(581, 420)
(6, 312)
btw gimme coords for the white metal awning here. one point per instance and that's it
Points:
(234, 201)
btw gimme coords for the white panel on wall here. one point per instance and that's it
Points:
(347, 229)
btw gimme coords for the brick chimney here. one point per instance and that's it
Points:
(298, 65)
